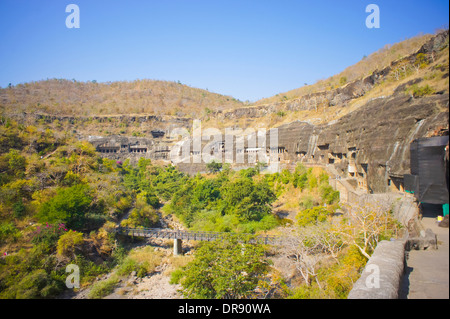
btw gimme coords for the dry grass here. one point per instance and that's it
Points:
(177, 262)
(289, 200)
(64, 97)
(146, 97)
(148, 256)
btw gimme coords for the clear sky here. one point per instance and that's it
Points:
(249, 49)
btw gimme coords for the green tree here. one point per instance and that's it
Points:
(70, 206)
(328, 194)
(285, 176)
(312, 216)
(214, 167)
(300, 176)
(228, 268)
(248, 200)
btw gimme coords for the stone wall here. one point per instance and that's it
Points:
(383, 273)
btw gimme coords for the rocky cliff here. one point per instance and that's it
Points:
(371, 143)
(362, 128)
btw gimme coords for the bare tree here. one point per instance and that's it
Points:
(364, 225)
(301, 247)
(330, 239)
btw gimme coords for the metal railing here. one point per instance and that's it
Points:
(164, 233)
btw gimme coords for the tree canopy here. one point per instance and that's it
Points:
(229, 268)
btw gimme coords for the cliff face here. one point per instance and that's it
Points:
(342, 96)
(372, 143)
(364, 132)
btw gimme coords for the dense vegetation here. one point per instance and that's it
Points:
(327, 251)
(230, 268)
(56, 195)
(59, 202)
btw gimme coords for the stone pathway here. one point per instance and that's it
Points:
(427, 271)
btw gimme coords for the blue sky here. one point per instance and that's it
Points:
(249, 49)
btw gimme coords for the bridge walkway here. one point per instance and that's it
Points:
(179, 235)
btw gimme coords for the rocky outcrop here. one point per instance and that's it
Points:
(372, 142)
(340, 96)
(369, 145)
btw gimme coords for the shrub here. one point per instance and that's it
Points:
(8, 231)
(16, 163)
(419, 91)
(300, 180)
(307, 202)
(223, 269)
(329, 195)
(339, 277)
(266, 223)
(68, 243)
(145, 216)
(312, 216)
(285, 176)
(312, 182)
(306, 292)
(36, 284)
(142, 261)
(176, 276)
(248, 172)
(421, 60)
(19, 209)
(48, 234)
(213, 167)
(103, 288)
(122, 205)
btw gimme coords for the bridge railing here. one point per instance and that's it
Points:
(189, 234)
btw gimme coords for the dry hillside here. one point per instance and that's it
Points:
(65, 97)
(375, 61)
(415, 67)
